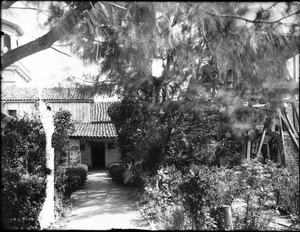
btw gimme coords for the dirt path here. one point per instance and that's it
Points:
(103, 205)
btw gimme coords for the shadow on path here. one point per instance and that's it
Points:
(102, 205)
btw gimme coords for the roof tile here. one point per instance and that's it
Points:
(26, 93)
(15, 93)
(96, 130)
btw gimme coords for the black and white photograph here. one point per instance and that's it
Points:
(150, 115)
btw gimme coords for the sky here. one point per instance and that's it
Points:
(47, 67)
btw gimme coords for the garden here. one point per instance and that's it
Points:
(195, 82)
(186, 165)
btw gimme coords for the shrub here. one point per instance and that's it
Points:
(70, 178)
(60, 139)
(257, 184)
(60, 180)
(116, 172)
(23, 144)
(227, 153)
(23, 168)
(21, 200)
(200, 192)
(76, 177)
(135, 176)
(200, 196)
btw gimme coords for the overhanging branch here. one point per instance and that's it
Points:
(248, 20)
(46, 41)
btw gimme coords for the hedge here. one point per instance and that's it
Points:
(22, 199)
(70, 178)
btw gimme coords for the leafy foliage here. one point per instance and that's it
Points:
(23, 170)
(69, 179)
(200, 192)
(22, 197)
(60, 140)
(228, 153)
(23, 145)
(116, 172)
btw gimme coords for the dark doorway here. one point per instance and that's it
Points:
(98, 155)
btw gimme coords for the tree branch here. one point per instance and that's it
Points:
(71, 19)
(251, 21)
(60, 51)
(116, 5)
(29, 8)
(30, 48)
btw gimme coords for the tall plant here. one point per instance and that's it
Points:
(60, 140)
(23, 171)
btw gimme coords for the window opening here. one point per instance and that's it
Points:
(12, 113)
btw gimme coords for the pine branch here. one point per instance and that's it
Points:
(116, 5)
(251, 21)
(29, 8)
(60, 51)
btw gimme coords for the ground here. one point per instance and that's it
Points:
(103, 205)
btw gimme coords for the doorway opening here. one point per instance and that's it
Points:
(98, 155)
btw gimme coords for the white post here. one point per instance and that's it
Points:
(47, 214)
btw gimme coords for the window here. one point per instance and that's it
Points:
(12, 113)
(7, 42)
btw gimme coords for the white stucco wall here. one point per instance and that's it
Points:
(13, 77)
(22, 108)
(80, 110)
(111, 155)
(75, 155)
(86, 154)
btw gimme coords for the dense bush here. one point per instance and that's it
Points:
(23, 170)
(23, 144)
(197, 195)
(60, 138)
(228, 153)
(69, 179)
(21, 199)
(173, 133)
(116, 172)
(204, 190)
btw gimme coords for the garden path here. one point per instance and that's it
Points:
(103, 205)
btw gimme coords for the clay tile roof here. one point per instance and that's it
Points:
(95, 130)
(63, 94)
(25, 93)
(15, 93)
(99, 112)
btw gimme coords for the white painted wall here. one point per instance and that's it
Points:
(80, 111)
(23, 108)
(111, 155)
(75, 155)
